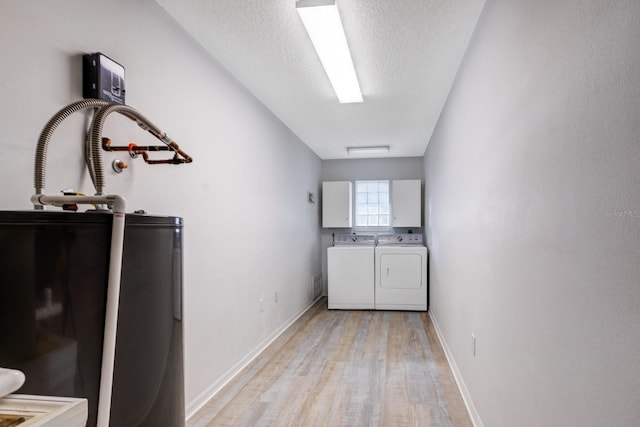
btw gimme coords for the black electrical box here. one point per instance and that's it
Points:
(102, 78)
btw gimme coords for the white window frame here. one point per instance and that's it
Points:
(372, 228)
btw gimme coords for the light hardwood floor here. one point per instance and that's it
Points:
(344, 368)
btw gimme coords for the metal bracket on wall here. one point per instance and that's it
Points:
(179, 156)
(311, 197)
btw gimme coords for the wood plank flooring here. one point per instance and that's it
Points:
(344, 368)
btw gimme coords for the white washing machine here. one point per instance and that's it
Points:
(350, 272)
(401, 273)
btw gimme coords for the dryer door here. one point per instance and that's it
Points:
(401, 271)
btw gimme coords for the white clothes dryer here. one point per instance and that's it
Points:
(350, 272)
(401, 273)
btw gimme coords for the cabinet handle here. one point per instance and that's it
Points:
(387, 271)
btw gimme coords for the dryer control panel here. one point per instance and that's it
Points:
(400, 239)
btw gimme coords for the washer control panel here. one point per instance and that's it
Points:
(354, 240)
(400, 239)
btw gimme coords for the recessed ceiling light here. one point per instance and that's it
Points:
(379, 149)
(323, 24)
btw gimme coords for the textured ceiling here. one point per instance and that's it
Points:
(406, 54)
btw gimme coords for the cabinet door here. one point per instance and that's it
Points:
(406, 203)
(336, 204)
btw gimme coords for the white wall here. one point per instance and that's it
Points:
(365, 169)
(390, 168)
(534, 214)
(249, 230)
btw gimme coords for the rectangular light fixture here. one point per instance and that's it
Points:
(323, 24)
(378, 149)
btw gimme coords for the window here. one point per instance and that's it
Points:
(372, 204)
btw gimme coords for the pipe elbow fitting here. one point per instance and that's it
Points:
(118, 203)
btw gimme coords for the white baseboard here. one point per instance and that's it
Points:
(466, 396)
(197, 403)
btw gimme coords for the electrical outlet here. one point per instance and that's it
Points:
(275, 297)
(261, 305)
(473, 345)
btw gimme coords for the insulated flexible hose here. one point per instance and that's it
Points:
(95, 135)
(47, 131)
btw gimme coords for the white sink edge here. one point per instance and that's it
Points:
(10, 381)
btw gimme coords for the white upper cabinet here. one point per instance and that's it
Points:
(336, 204)
(406, 203)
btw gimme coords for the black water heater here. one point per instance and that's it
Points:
(53, 286)
(102, 78)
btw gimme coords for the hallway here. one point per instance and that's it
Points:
(344, 368)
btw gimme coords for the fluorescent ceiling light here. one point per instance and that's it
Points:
(322, 21)
(379, 149)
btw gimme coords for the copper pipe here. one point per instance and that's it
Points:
(142, 150)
